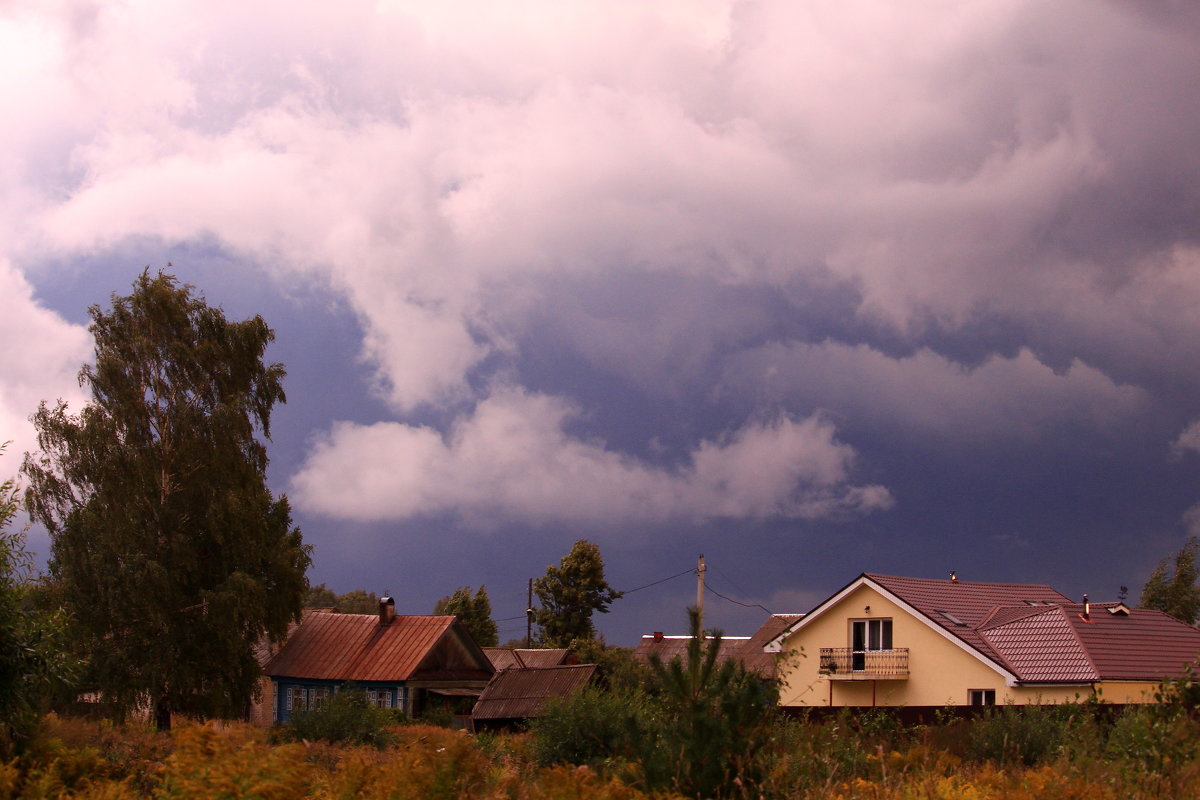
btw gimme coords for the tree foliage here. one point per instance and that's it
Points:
(699, 725)
(715, 718)
(33, 652)
(1172, 587)
(475, 614)
(358, 601)
(177, 558)
(570, 593)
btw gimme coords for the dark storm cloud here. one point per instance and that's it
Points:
(713, 269)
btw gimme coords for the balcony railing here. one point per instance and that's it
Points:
(843, 663)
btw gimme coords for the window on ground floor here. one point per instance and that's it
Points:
(296, 698)
(381, 698)
(981, 697)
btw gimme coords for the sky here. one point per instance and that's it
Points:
(809, 288)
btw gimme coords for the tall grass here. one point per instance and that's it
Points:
(1072, 751)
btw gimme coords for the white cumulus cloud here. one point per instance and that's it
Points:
(512, 460)
(39, 361)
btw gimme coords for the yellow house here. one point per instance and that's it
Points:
(921, 643)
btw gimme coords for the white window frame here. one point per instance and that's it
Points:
(876, 633)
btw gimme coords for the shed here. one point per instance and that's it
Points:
(515, 695)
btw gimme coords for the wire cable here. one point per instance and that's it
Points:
(691, 571)
(738, 602)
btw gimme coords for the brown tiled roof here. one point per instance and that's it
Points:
(1042, 647)
(522, 693)
(1039, 635)
(672, 647)
(1146, 645)
(969, 602)
(748, 650)
(355, 647)
(751, 653)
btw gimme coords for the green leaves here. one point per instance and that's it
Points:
(178, 557)
(475, 614)
(570, 593)
(1178, 594)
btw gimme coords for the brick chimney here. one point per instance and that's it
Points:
(658, 636)
(387, 610)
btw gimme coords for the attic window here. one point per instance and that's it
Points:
(1119, 610)
(951, 617)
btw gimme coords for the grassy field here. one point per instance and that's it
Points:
(1070, 752)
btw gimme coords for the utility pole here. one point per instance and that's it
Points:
(529, 617)
(700, 570)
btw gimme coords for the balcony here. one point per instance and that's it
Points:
(845, 664)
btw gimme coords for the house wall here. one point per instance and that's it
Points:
(262, 710)
(1127, 691)
(940, 672)
(398, 693)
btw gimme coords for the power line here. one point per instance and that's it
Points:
(691, 571)
(739, 602)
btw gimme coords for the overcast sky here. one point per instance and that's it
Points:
(813, 288)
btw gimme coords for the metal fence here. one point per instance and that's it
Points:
(843, 661)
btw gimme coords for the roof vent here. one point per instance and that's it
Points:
(1119, 610)
(387, 610)
(954, 576)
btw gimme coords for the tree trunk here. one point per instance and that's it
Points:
(162, 714)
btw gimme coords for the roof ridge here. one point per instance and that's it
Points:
(1087, 653)
(960, 582)
(1032, 611)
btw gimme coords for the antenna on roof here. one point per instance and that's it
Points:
(1123, 593)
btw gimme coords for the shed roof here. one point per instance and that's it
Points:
(522, 693)
(510, 657)
(357, 647)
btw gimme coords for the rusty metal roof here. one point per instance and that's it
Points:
(356, 647)
(522, 693)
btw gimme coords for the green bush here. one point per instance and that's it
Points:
(592, 727)
(344, 718)
(1028, 735)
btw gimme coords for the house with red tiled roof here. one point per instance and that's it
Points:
(399, 661)
(922, 643)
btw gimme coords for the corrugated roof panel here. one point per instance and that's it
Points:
(355, 647)
(522, 693)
